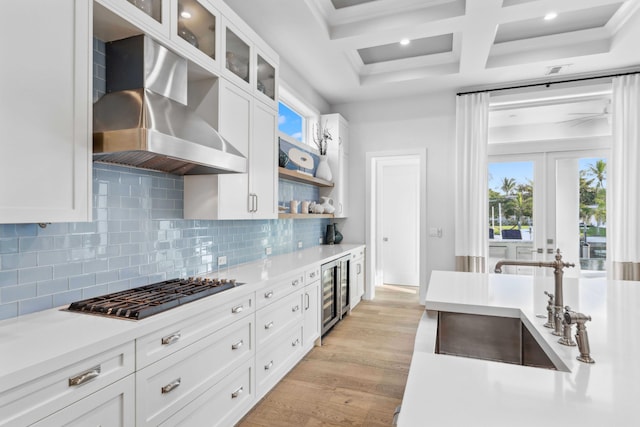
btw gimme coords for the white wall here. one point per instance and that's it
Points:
(406, 123)
(301, 88)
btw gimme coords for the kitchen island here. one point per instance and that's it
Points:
(445, 390)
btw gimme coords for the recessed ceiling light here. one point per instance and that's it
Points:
(405, 42)
(550, 16)
(187, 15)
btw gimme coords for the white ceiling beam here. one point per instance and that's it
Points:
(480, 30)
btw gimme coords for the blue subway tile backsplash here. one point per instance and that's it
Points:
(137, 237)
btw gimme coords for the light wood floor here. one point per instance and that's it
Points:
(357, 377)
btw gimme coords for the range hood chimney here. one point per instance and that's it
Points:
(143, 121)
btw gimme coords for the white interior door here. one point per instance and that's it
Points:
(399, 220)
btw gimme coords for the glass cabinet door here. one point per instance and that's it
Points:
(238, 55)
(153, 8)
(266, 78)
(197, 26)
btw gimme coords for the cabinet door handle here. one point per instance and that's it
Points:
(268, 366)
(237, 309)
(268, 295)
(256, 207)
(295, 282)
(171, 386)
(306, 303)
(295, 343)
(170, 339)
(268, 325)
(295, 308)
(312, 274)
(85, 376)
(250, 203)
(359, 268)
(237, 345)
(237, 393)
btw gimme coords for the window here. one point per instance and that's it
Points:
(290, 122)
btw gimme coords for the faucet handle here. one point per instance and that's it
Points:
(566, 330)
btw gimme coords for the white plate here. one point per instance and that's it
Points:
(300, 158)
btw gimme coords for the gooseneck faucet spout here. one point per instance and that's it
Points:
(558, 266)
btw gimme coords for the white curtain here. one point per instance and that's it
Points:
(623, 218)
(471, 216)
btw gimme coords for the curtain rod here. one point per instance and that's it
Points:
(549, 83)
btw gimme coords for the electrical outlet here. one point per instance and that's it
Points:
(299, 244)
(268, 250)
(222, 260)
(320, 241)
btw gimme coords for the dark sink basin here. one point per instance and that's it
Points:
(501, 339)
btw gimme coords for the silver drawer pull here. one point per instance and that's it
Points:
(295, 343)
(237, 345)
(85, 376)
(268, 295)
(170, 339)
(237, 393)
(312, 274)
(295, 308)
(268, 366)
(295, 282)
(237, 309)
(171, 386)
(268, 325)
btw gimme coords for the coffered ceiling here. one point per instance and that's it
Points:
(350, 49)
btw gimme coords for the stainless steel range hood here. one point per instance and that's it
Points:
(143, 121)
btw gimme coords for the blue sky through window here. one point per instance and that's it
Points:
(522, 171)
(289, 122)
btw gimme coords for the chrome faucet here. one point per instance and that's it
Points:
(558, 265)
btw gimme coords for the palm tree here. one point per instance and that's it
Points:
(508, 185)
(599, 172)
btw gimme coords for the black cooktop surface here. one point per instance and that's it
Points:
(144, 301)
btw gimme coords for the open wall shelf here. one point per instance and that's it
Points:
(292, 175)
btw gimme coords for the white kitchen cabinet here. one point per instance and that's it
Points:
(357, 272)
(45, 111)
(223, 405)
(279, 317)
(250, 127)
(338, 157)
(166, 386)
(195, 28)
(152, 17)
(112, 406)
(312, 321)
(66, 385)
(277, 358)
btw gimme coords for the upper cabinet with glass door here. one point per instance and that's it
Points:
(150, 16)
(238, 52)
(266, 76)
(196, 29)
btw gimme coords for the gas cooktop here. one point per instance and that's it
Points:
(144, 301)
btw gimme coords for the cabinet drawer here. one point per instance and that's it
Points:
(278, 359)
(161, 343)
(221, 405)
(112, 406)
(37, 399)
(278, 289)
(313, 274)
(277, 317)
(164, 387)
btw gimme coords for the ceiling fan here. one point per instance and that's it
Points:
(585, 118)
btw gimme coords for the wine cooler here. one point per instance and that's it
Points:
(335, 292)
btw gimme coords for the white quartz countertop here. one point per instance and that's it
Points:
(30, 344)
(445, 390)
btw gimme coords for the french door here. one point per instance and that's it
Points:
(542, 202)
